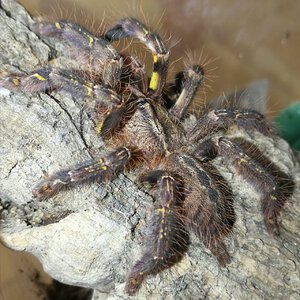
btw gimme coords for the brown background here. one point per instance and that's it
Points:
(244, 40)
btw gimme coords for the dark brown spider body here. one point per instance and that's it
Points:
(152, 132)
(141, 123)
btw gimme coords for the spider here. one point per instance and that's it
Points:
(143, 128)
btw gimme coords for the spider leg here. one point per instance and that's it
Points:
(92, 53)
(49, 78)
(101, 169)
(208, 206)
(168, 239)
(136, 74)
(186, 85)
(223, 119)
(38, 80)
(130, 27)
(273, 196)
(76, 82)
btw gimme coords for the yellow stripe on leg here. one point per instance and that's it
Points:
(57, 25)
(154, 81)
(155, 76)
(38, 77)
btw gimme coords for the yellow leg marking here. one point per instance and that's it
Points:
(94, 169)
(16, 81)
(91, 41)
(38, 77)
(57, 25)
(154, 81)
(162, 210)
(145, 31)
(74, 80)
(90, 84)
(242, 161)
(155, 77)
(99, 128)
(89, 90)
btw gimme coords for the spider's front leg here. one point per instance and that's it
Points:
(273, 195)
(100, 169)
(184, 89)
(102, 99)
(168, 238)
(130, 27)
(93, 54)
(76, 82)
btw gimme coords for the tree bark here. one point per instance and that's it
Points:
(91, 235)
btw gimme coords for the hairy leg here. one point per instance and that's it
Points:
(94, 54)
(168, 239)
(101, 169)
(130, 27)
(208, 206)
(222, 119)
(186, 85)
(273, 196)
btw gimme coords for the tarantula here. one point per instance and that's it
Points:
(142, 126)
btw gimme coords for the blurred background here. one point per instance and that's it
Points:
(243, 40)
(239, 41)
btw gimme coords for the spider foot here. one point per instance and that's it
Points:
(271, 223)
(138, 275)
(37, 81)
(272, 227)
(219, 250)
(51, 186)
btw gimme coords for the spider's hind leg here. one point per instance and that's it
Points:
(273, 195)
(168, 238)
